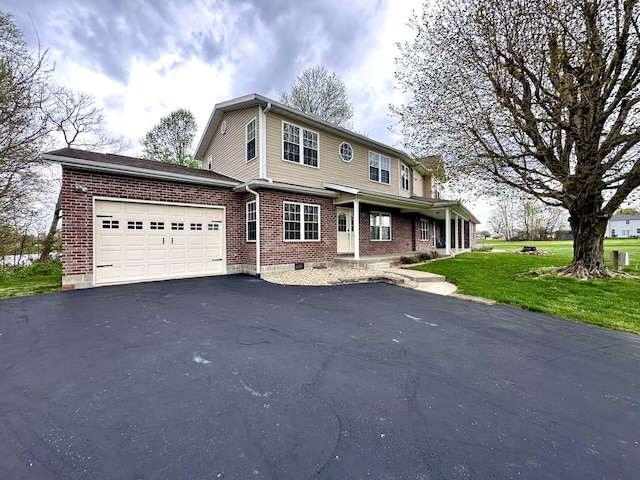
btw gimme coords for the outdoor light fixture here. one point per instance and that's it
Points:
(81, 188)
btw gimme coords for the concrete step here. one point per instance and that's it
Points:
(378, 265)
(417, 276)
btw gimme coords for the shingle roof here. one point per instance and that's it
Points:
(617, 218)
(137, 163)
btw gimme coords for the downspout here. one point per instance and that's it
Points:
(253, 192)
(263, 142)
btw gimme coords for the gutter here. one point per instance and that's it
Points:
(257, 195)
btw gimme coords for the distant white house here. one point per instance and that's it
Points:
(624, 226)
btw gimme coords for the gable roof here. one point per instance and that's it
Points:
(617, 218)
(255, 100)
(106, 162)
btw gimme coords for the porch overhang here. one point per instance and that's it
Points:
(436, 209)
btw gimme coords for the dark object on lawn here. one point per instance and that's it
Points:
(528, 248)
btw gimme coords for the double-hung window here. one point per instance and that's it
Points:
(378, 168)
(380, 226)
(424, 229)
(404, 177)
(252, 221)
(251, 140)
(301, 221)
(292, 135)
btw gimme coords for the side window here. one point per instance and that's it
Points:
(404, 177)
(251, 140)
(252, 222)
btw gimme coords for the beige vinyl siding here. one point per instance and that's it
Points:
(331, 168)
(229, 150)
(426, 187)
(418, 189)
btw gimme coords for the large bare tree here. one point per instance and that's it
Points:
(76, 120)
(24, 76)
(538, 95)
(317, 92)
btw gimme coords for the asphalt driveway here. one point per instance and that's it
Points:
(235, 378)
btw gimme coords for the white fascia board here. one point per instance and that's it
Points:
(286, 187)
(341, 188)
(136, 171)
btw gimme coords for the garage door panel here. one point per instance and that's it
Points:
(141, 241)
(110, 256)
(135, 255)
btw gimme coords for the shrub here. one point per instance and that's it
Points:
(35, 269)
(408, 260)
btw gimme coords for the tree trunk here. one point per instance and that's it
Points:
(588, 246)
(47, 245)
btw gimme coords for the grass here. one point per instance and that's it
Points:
(520, 280)
(31, 280)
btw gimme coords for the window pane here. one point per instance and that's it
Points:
(310, 157)
(342, 222)
(292, 221)
(311, 222)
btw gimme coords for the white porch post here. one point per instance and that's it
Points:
(447, 230)
(457, 233)
(356, 229)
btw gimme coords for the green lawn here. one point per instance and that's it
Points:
(516, 280)
(19, 287)
(39, 277)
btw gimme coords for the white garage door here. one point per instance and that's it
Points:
(137, 242)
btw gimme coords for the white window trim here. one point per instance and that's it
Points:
(387, 214)
(300, 145)
(379, 168)
(404, 167)
(246, 219)
(340, 152)
(424, 230)
(255, 139)
(302, 230)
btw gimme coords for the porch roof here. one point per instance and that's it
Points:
(433, 207)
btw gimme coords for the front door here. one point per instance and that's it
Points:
(345, 230)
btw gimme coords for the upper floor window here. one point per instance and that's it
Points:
(346, 152)
(251, 140)
(404, 177)
(301, 221)
(626, 222)
(378, 168)
(291, 136)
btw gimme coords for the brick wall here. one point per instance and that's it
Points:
(402, 232)
(275, 250)
(77, 213)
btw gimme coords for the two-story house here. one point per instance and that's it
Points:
(624, 226)
(278, 189)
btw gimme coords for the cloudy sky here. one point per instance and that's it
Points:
(144, 58)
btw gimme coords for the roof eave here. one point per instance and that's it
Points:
(91, 165)
(286, 187)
